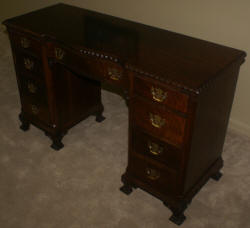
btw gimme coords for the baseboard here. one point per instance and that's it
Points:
(239, 127)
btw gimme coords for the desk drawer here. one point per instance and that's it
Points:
(26, 43)
(32, 88)
(30, 65)
(157, 176)
(114, 74)
(77, 62)
(156, 149)
(35, 109)
(90, 65)
(160, 94)
(159, 121)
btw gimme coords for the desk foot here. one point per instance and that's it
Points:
(177, 219)
(57, 145)
(178, 216)
(25, 125)
(216, 176)
(99, 118)
(56, 141)
(127, 189)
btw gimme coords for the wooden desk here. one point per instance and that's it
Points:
(179, 92)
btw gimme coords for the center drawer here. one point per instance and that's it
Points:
(91, 64)
(159, 121)
(77, 62)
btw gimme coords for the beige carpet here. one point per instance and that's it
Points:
(78, 187)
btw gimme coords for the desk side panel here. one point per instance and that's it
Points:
(77, 97)
(210, 126)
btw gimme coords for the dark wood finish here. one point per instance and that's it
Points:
(152, 147)
(86, 62)
(36, 110)
(144, 48)
(174, 99)
(76, 97)
(78, 63)
(172, 130)
(33, 89)
(26, 43)
(157, 175)
(179, 91)
(29, 65)
(53, 98)
(211, 119)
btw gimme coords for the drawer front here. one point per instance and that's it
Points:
(30, 65)
(33, 88)
(156, 149)
(26, 43)
(90, 67)
(35, 110)
(160, 122)
(161, 95)
(101, 69)
(114, 74)
(157, 176)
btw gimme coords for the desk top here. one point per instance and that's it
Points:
(173, 58)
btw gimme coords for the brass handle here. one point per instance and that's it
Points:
(157, 121)
(34, 109)
(152, 174)
(154, 148)
(114, 74)
(158, 94)
(59, 53)
(25, 43)
(28, 63)
(32, 88)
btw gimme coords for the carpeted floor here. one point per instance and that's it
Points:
(78, 187)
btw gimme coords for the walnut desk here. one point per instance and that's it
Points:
(179, 92)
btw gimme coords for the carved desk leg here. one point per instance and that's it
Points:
(25, 123)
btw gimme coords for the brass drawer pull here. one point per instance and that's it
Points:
(25, 43)
(157, 121)
(158, 94)
(154, 148)
(28, 63)
(114, 74)
(32, 88)
(152, 174)
(59, 53)
(34, 109)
